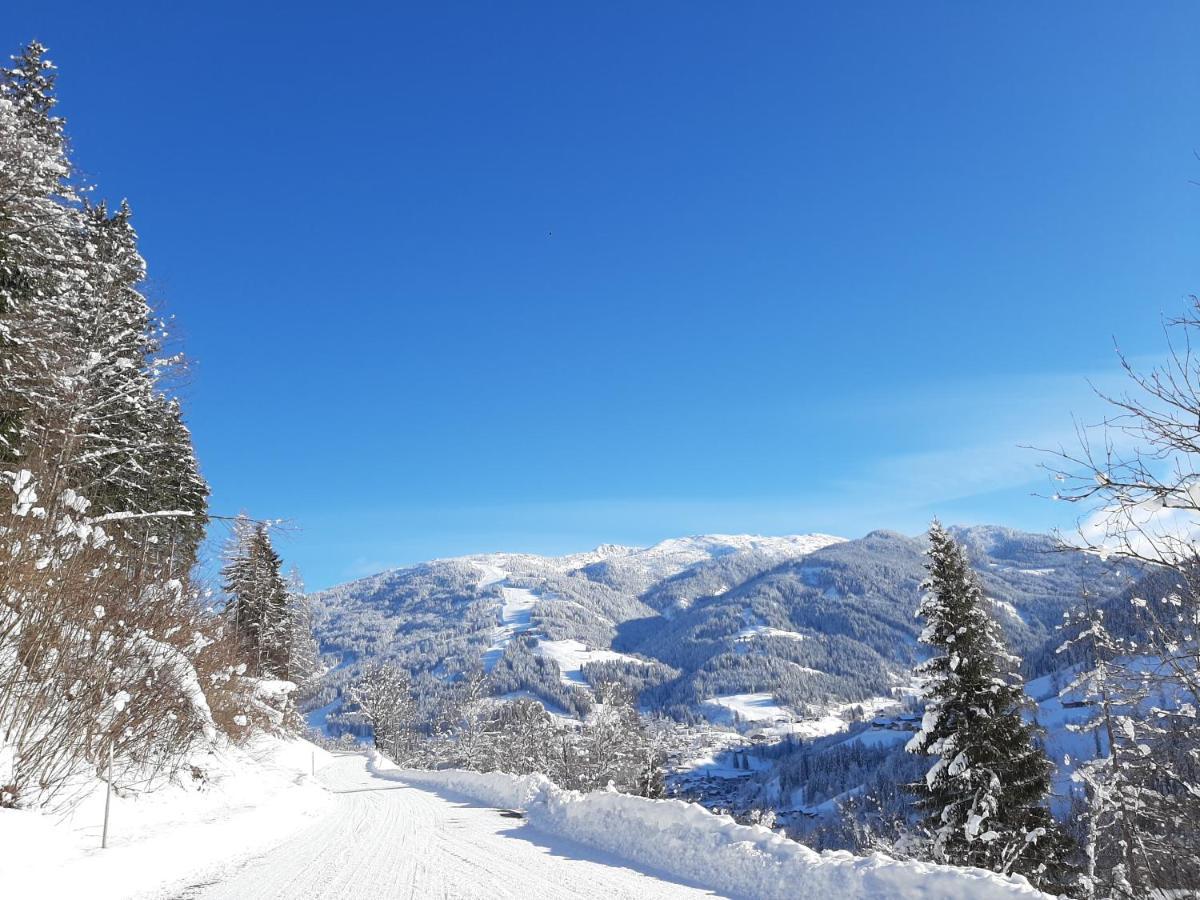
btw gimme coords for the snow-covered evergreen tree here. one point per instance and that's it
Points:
(134, 456)
(39, 256)
(304, 656)
(984, 796)
(258, 606)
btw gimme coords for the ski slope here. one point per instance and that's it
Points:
(384, 839)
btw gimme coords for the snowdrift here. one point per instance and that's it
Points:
(689, 842)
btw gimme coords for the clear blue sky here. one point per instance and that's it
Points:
(464, 277)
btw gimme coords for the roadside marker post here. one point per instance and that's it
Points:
(107, 798)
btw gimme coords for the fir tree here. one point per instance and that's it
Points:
(984, 796)
(304, 655)
(135, 458)
(258, 600)
(39, 254)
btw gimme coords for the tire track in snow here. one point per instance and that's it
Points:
(382, 842)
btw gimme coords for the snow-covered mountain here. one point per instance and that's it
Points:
(780, 630)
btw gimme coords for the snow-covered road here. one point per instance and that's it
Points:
(382, 839)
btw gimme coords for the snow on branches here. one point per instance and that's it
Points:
(983, 796)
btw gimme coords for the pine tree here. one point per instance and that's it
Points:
(304, 655)
(39, 253)
(134, 459)
(258, 600)
(984, 796)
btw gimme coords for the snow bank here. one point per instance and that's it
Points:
(243, 800)
(493, 788)
(689, 842)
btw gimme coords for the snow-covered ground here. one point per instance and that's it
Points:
(706, 850)
(383, 839)
(571, 656)
(264, 828)
(759, 707)
(750, 632)
(516, 614)
(776, 720)
(250, 799)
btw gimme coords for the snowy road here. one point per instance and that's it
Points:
(386, 840)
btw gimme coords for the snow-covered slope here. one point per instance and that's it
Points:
(814, 621)
(506, 610)
(639, 570)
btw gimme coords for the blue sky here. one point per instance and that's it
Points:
(464, 277)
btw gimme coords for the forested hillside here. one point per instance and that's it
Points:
(809, 621)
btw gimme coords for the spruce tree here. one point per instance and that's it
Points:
(304, 654)
(258, 600)
(39, 253)
(984, 796)
(135, 458)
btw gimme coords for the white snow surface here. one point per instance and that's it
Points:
(772, 718)
(759, 707)
(159, 842)
(571, 656)
(707, 850)
(750, 632)
(386, 839)
(660, 561)
(516, 617)
(264, 828)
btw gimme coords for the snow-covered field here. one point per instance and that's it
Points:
(571, 656)
(776, 720)
(750, 632)
(751, 707)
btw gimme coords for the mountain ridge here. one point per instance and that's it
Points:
(812, 620)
